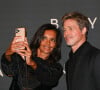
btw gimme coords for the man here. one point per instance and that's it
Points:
(83, 66)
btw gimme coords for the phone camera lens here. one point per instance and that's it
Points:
(17, 31)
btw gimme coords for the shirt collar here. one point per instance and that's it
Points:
(81, 50)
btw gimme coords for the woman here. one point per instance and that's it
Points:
(36, 67)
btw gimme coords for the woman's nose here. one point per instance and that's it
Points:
(48, 41)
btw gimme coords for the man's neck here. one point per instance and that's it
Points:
(75, 47)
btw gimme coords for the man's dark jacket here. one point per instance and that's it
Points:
(83, 68)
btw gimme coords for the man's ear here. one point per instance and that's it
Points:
(84, 31)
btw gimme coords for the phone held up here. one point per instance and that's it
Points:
(20, 33)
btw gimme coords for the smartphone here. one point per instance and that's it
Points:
(20, 33)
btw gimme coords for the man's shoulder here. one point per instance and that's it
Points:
(94, 50)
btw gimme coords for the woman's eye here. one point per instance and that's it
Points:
(43, 38)
(53, 40)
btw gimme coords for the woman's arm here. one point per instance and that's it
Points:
(6, 65)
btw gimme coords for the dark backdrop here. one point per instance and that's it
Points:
(33, 13)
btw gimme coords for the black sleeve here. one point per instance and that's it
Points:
(97, 71)
(7, 67)
(48, 74)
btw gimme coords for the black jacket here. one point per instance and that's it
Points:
(45, 77)
(83, 68)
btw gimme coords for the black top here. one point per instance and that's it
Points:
(83, 68)
(45, 77)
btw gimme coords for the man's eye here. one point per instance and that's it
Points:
(70, 28)
(64, 30)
